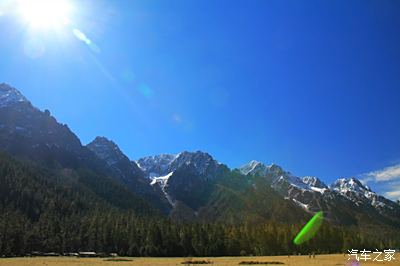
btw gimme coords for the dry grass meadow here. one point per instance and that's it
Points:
(329, 260)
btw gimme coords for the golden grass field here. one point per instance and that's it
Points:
(293, 260)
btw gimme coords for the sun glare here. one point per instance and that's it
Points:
(45, 13)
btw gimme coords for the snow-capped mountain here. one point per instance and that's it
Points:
(311, 194)
(260, 169)
(304, 192)
(182, 176)
(161, 165)
(281, 179)
(190, 184)
(345, 186)
(158, 165)
(354, 190)
(314, 182)
(10, 95)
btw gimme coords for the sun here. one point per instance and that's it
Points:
(45, 13)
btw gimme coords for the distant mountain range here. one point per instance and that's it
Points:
(187, 187)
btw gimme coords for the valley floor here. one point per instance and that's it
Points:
(329, 260)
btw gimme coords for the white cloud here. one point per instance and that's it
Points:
(386, 181)
(386, 174)
(393, 194)
(392, 190)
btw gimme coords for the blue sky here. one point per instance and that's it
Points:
(313, 86)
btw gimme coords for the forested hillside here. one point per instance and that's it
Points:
(58, 213)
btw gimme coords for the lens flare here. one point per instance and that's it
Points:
(82, 37)
(309, 229)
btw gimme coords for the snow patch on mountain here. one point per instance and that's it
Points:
(302, 205)
(251, 167)
(314, 182)
(161, 165)
(162, 181)
(284, 181)
(306, 192)
(319, 190)
(157, 165)
(257, 168)
(10, 96)
(279, 177)
(294, 181)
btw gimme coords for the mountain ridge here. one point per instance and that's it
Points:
(11, 96)
(187, 185)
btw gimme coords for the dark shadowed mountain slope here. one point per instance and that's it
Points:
(33, 191)
(236, 199)
(29, 133)
(127, 172)
(35, 136)
(108, 151)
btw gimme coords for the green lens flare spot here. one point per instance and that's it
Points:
(309, 229)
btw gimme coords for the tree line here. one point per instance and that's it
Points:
(57, 212)
(130, 235)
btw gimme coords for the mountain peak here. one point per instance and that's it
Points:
(106, 150)
(349, 184)
(10, 95)
(110, 153)
(104, 141)
(274, 168)
(161, 165)
(156, 165)
(354, 190)
(257, 168)
(314, 182)
(253, 167)
(254, 162)
(189, 157)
